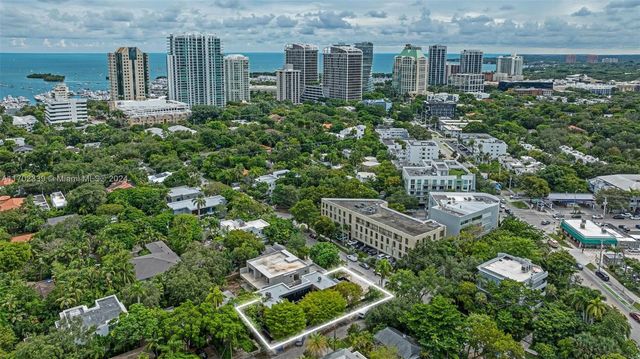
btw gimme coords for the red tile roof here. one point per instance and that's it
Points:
(22, 238)
(119, 185)
(5, 181)
(7, 203)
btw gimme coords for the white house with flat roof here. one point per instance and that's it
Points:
(623, 181)
(458, 210)
(273, 268)
(271, 179)
(26, 122)
(419, 150)
(152, 111)
(58, 201)
(506, 266)
(256, 226)
(392, 133)
(188, 206)
(159, 177)
(482, 144)
(438, 176)
(182, 193)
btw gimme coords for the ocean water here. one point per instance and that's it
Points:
(89, 71)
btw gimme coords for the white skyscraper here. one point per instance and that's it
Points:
(471, 62)
(342, 72)
(60, 108)
(289, 84)
(236, 78)
(195, 69)
(509, 67)
(410, 71)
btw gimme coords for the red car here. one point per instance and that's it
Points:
(635, 316)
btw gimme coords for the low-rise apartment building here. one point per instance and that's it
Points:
(152, 112)
(459, 210)
(371, 222)
(506, 266)
(439, 176)
(484, 145)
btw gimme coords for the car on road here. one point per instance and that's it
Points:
(635, 316)
(624, 228)
(545, 222)
(364, 265)
(300, 342)
(619, 216)
(579, 266)
(352, 258)
(576, 215)
(638, 226)
(635, 218)
(558, 216)
(597, 216)
(352, 242)
(602, 275)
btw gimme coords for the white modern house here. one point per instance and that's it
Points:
(25, 122)
(104, 311)
(438, 176)
(506, 266)
(58, 200)
(256, 226)
(482, 144)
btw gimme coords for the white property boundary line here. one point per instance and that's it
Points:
(264, 341)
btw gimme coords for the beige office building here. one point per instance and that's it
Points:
(128, 74)
(371, 222)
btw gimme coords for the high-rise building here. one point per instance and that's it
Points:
(592, 59)
(342, 72)
(303, 57)
(367, 64)
(236, 78)
(60, 108)
(128, 74)
(570, 59)
(437, 65)
(471, 62)
(467, 82)
(195, 69)
(509, 68)
(289, 84)
(410, 71)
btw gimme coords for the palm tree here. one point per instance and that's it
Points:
(215, 297)
(596, 309)
(383, 267)
(578, 299)
(137, 291)
(317, 345)
(199, 202)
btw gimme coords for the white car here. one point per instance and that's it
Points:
(381, 256)
(597, 216)
(352, 258)
(635, 218)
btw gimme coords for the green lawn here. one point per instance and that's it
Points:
(519, 205)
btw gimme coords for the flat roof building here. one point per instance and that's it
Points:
(236, 78)
(586, 233)
(484, 145)
(459, 210)
(60, 108)
(342, 72)
(506, 266)
(439, 176)
(371, 222)
(625, 182)
(188, 206)
(273, 268)
(152, 112)
(128, 74)
(26, 122)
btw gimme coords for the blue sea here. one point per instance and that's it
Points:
(89, 70)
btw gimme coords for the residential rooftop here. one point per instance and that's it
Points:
(277, 263)
(105, 310)
(464, 203)
(377, 210)
(506, 266)
(160, 259)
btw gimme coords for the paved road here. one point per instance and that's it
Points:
(340, 332)
(615, 293)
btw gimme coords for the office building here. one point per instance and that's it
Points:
(312, 93)
(484, 145)
(342, 72)
(60, 108)
(99, 316)
(289, 85)
(304, 58)
(437, 65)
(195, 69)
(471, 62)
(506, 266)
(152, 112)
(509, 68)
(371, 222)
(236, 78)
(469, 83)
(128, 74)
(587, 234)
(592, 59)
(570, 59)
(624, 182)
(416, 151)
(367, 64)
(459, 210)
(440, 105)
(410, 71)
(437, 176)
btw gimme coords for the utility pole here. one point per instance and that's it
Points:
(601, 250)
(604, 212)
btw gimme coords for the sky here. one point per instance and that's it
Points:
(494, 26)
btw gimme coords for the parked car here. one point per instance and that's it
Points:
(558, 216)
(627, 215)
(635, 316)
(545, 222)
(579, 266)
(635, 218)
(352, 242)
(619, 216)
(300, 342)
(602, 275)
(352, 258)
(597, 216)
(380, 256)
(638, 226)
(624, 228)
(364, 265)
(553, 243)
(576, 215)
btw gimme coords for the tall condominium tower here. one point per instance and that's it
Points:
(367, 64)
(236, 78)
(509, 67)
(342, 72)
(437, 65)
(289, 84)
(471, 62)
(410, 71)
(195, 69)
(303, 57)
(128, 74)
